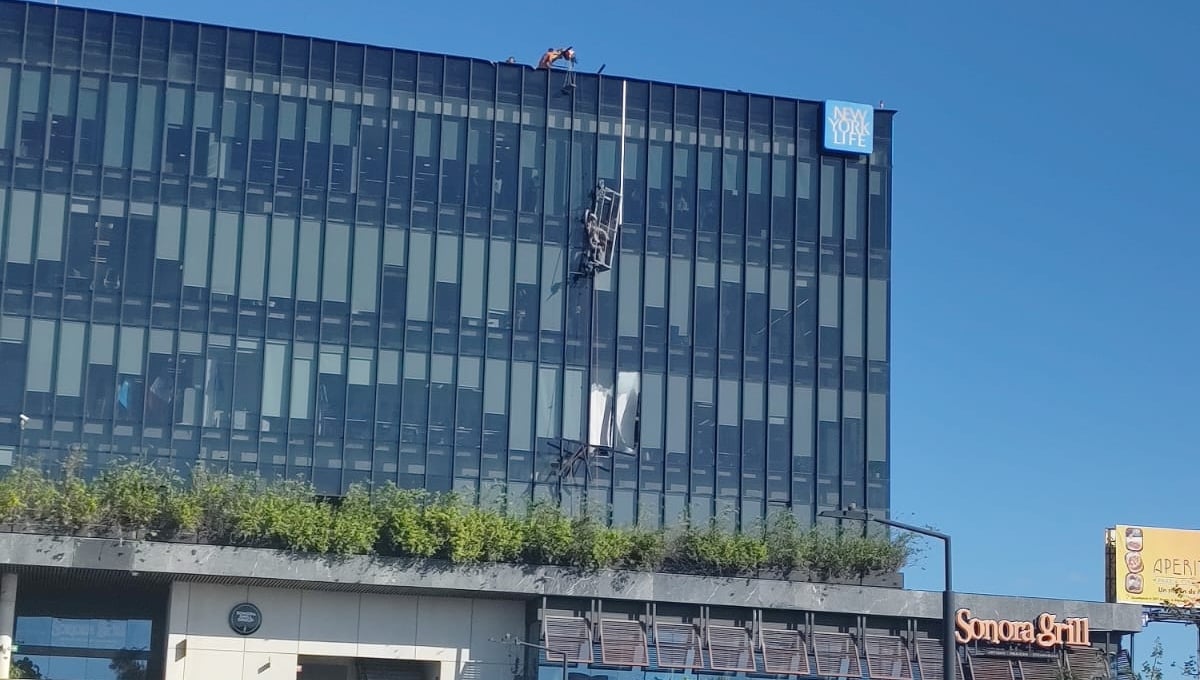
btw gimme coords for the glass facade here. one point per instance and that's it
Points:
(66, 630)
(347, 263)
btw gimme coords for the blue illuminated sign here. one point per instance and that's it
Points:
(849, 127)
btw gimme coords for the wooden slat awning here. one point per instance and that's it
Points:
(1088, 664)
(991, 668)
(731, 649)
(887, 658)
(569, 635)
(1040, 669)
(623, 643)
(677, 645)
(929, 657)
(784, 652)
(837, 655)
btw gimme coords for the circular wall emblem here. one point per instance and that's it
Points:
(245, 619)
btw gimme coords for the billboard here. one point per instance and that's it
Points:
(849, 127)
(1152, 566)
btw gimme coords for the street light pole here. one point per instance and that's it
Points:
(948, 649)
(511, 639)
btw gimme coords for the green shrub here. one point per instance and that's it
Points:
(404, 530)
(27, 496)
(241, 510)
(503, 536)
(183, 511)
(462, 528)
(549, 535)
(647, 550)
(718, 552)
(285, 515)
(133, 495)
(783, 541)
(355, 528)
(78, 505)
(596, 546)
(221, 498)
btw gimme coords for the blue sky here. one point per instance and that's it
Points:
(1045, 314)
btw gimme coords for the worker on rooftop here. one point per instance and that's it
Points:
(553, 54)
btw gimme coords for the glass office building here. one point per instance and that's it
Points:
(349, 263)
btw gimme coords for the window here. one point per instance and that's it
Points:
(31, 121)
(394, 288)
(554, 266)
(334, 280)
(130, 383)
(8, 92)
(12, 23)
(521, 423)
(20, 230)
(506, 171)
(41, 357)
(225, 250)
(474, 263)
(182, 62)
(253, 255)
(263, 137)
(479, 163)
(89, 145)
(211, 61)
(160, 382)
(235, 135)
(50, 242)
(291, 142)
(309, 261)
(191, 378)
(680, 310)
(426, 147)
(118, 124)
(468, 428)
(219, 383)
(147, 146)
(629, 296)
(283, 247)
(63, 88)
(101, 376)
(374, 159)
(141, 254)
(533, 155)
(179, 130)
(195, 250)
(454, 155)
(13, 350)
(300, 403)
(247, 385)
(274, 381)
(658, 181)
(360, 395)
(127, 35)
(548, 406)
(365, 270)
(344, 145)
(419, 268)
(155, 36)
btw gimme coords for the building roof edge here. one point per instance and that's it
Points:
(163, 561)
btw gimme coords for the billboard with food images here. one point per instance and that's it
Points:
(1153, 566)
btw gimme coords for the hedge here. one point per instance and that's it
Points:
(140, 500)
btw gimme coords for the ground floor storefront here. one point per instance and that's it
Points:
(91, 609)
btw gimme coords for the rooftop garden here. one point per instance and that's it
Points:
(139, 501)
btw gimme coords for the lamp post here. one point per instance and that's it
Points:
(948, 649)
(511, 639)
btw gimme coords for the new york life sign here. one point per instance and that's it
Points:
(849, 127)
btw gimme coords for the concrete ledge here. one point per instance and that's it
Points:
(257, 566)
